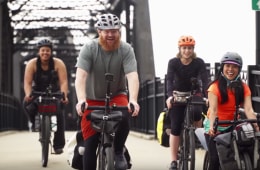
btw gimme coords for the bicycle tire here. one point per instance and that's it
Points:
(45, 139)
(106, 158)
(183, 161)
(206, 161)
(191, 147)
(245, 161)
(101, 158)
(109, 155)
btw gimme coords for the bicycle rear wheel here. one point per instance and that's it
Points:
(45, 139)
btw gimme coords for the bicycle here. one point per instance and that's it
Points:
(239, 136)
(47, 106)
(186, 155)
(105, 119)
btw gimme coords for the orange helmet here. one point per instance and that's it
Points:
(186, 41)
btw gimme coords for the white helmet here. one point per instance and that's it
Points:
(108, 21)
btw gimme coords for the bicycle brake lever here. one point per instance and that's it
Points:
(215, 126)
(83, 107)
(132, 107)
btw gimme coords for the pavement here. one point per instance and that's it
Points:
(21, 150)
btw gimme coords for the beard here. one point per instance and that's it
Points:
(109, 47)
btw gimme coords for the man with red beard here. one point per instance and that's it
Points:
(106, 54)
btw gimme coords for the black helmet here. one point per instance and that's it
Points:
(232, 58)
(44, 42)
(108, 21)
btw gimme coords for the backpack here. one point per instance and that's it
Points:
(163, 128)
(75, 149)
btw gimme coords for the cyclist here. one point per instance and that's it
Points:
(222, 100)
(106, 54)
(40, 72)
(181, 69)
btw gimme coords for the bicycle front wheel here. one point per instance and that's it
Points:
(106, 158)
(206, 161)
(45, 139)
(245, 161)
(191, 153)
(187, 152)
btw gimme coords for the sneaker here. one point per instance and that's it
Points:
(120, 162)
(58, 151)
(173, 165)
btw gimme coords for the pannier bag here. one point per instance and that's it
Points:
(163, 128)
(225, 151)
(75, 150)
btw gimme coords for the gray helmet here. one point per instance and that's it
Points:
(44, 42)
(232, 58)
(108, 21)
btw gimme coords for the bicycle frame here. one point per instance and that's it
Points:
(101, 118)
(47, 107)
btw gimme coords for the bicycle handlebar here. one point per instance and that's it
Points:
(59, 95)
(235, 122)
(113, 107)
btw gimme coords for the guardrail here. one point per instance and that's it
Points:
(12, 116)
(152, 96)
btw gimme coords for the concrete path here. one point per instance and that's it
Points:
(22, 151)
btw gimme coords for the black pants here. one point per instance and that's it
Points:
(91, 144)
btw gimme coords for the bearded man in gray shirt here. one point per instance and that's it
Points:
(106, 54)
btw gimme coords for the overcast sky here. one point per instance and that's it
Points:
(217, 26)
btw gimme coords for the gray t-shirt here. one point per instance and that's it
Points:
(94, 60)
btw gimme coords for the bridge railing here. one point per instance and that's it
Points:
(152, 96)
(12, 116)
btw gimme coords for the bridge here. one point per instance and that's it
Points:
(70, 25)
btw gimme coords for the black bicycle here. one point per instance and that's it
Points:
(105, 120)
(48, 106)
(242, 139)
(186, 155)
(238, 146)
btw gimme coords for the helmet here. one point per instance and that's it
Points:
(108, 21)
(232, 58)
(186, 41)
(44, 42)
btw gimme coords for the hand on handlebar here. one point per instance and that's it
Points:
(80, 107)
(169, 102)
(65, 100)
(28, 99)
(134, 108)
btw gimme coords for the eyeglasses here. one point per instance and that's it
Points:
(187, 47)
